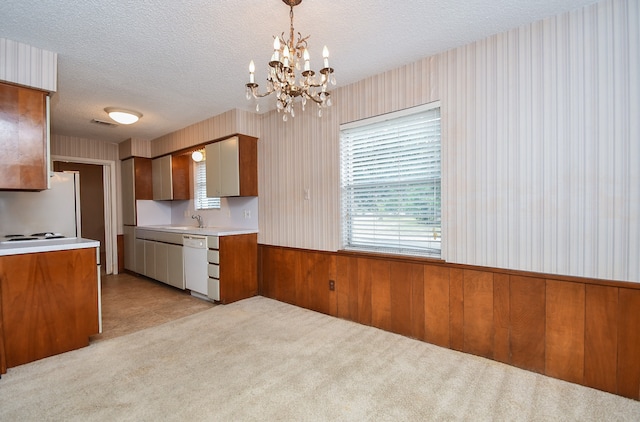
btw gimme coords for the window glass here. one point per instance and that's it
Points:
(390, 183)
(202, 202)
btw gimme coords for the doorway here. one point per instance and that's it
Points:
(92, 221)
(106, 183)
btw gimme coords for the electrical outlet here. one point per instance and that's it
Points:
(332, 285)
(307, 194)
(247, 214)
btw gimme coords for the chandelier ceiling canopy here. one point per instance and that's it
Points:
(290, 76)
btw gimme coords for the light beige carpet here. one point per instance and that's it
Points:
(260, 359)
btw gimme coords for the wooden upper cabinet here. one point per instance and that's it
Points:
(23, 138)
(142, 183)
(232, 167)
(180, 168)
(170, 177)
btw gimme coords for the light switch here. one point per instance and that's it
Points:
(307, 194)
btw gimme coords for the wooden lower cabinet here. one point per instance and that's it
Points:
(139, 256)
(238, 267)
(48, 304)
(579, 330)
(159, 260)
(233, 258)
(175, 266)
(168, 263)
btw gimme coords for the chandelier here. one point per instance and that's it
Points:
(290, 75)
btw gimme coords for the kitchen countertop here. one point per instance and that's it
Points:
(50, 245)
(204, 231)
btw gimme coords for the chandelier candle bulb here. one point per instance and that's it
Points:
(325, 55)
(252, 69)
(307, 66)
(285, 54)
(276, 49)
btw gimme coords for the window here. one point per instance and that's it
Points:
(391, 182)
(202, 202)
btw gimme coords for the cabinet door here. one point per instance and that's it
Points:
(156, 179)
(128, 193)
(51, 311)
(238, 267)
(223, 168)
(129, 248)
(181, 170)
(229, 167)
(248, 162)
(23, 138)
(162, 179)
(149, 258)
(161, 256)
(175, 266)
(139, 256)
(212, 168)
(143, 183)
(167, 177)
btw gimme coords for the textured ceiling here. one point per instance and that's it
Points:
(179, 62)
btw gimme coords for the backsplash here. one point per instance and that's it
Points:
(236, 212)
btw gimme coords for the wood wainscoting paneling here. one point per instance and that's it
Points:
(564, 329)
(501, 318)
(478, 313)
(579, 330)
(601, 337)
(436, 305)
(629, 343)
(527, 322)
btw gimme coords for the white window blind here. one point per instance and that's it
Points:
(391, 183)
(202, 202)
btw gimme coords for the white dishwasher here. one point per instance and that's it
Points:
(194, 252)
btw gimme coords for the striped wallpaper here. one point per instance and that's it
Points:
(25, 65)
(71, 146)
(223, 125)
(541, 148)
(134, 147)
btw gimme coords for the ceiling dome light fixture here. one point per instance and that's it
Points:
(197, 155)
(125, 117)
(288, 58)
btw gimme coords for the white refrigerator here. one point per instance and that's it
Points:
(55, 210)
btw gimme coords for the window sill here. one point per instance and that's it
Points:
(390, 256)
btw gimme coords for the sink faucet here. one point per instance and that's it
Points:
(199, 218)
